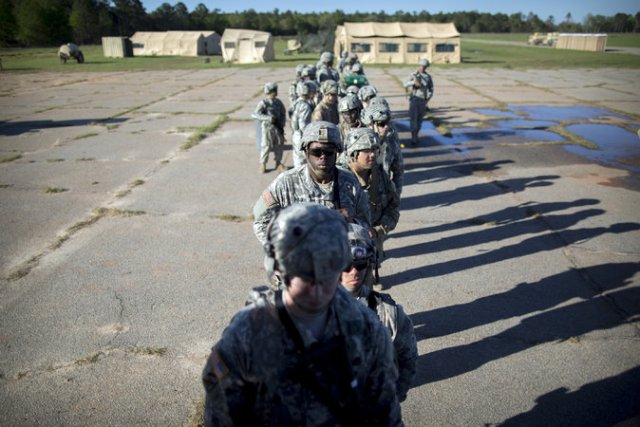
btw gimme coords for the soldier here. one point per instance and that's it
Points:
(355, 279)
(326, 70)
(420, 87)
(319, 181)
(327, 109)
(350, 109)
(390, 156)
(301, 117)
(384, 201)
(293, 95)
(308, 354)
(343, 61)
(272, 115)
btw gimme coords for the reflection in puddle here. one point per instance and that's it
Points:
(617, 147)
(529, 123)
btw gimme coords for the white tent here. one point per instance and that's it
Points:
(399, 42)
(179, 43)
(246, 46)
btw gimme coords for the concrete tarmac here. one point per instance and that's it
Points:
(126, 250)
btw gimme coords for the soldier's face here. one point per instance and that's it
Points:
(321, 159)
(331, 98)
(354, 275)
(350, 116)
(366, 159)
(308, 296)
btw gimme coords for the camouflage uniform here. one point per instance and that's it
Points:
(348, 103)
(272, 115)
(300, 118)
(274, 368)
(418, 99)
(326, 70)
(390, 155)
(296, 185)
(327, 112)
(249, 376)
(384, 202)
(388, 311)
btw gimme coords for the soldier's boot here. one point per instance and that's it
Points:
(262, 168)
(280, 167)
(414, 138)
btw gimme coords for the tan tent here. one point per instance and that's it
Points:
(581, 41)
(399, 42)
(117, 47)
(179, 43)
(246, 46)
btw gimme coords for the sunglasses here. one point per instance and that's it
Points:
(358, 265)
(319, 152)
(382, 124)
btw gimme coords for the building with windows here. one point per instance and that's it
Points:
(243, 46)
(176, 43)
(399, 42)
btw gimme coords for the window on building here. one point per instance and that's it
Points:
(445, 47)
(260, 44)
(416, 47)
(360, 47)
(388, 47)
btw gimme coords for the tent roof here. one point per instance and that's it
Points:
(239, 33)
(416, 30)
(160, 35)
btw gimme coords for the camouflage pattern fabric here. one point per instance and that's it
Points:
(418, 99)
(272, 115)
(400, 327)
(249, 377)
(301, 117)
(296, 185)
(390, 157)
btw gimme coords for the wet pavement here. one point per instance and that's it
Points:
(125, 252)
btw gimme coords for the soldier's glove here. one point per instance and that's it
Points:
(379, 231)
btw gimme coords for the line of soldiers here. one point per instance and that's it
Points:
(320, 346)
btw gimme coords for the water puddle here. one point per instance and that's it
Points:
(564, 113)
(616, 146)
(523, 124)
(496, 113)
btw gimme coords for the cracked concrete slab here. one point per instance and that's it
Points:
(517, 262)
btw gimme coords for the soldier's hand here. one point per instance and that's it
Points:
(345, 214)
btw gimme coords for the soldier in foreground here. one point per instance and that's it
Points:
(355, 279)
(420, 86)
(307, 355)
(319, 180)
(272, 116)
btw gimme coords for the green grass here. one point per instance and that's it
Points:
(474, 53)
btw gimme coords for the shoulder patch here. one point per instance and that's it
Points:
(268, 199)
(219, 367)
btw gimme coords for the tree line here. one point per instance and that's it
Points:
(52, 22)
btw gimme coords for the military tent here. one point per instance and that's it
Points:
(246, 46)
(179, 43)
(399, 42)
(582, 41)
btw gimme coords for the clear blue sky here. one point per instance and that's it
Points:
(543, 8)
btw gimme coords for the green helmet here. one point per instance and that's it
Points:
(348, 103)
(321, 131)
(361, 139)
(309, 240)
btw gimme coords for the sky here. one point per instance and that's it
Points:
(543, 8)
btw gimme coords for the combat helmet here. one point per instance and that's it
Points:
(308, 240)
(329, 87)
(306, 88)
(424, 62)
(270, 87)
(361, 244)
(365, 93)
(361, 139)
(299, 69)
(321, 131)
(375, 112)
(348, 103)
(309, 71)
(326, 58)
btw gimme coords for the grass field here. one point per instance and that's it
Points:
(474, 54)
